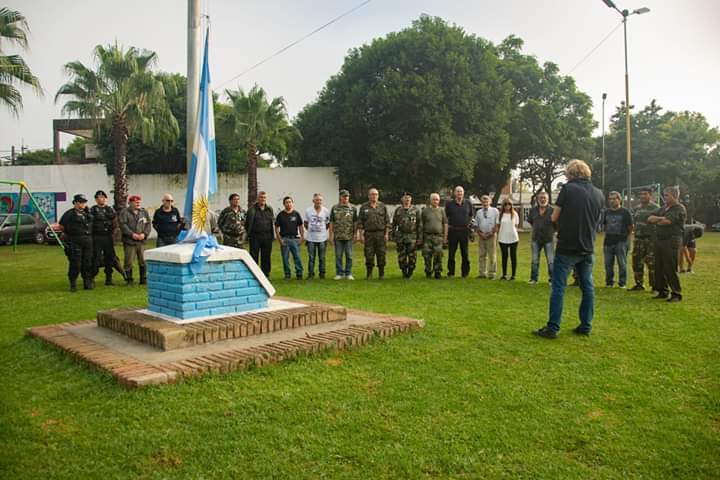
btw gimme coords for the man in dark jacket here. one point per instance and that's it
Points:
(259, 225)
(543, 235)
(104, 221)
(77, 227)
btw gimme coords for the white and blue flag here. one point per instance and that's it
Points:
(202, 177)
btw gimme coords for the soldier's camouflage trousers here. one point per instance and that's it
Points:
(232, 241)
(375, 247)
(643, 255)
(432, 251)
(407, 256)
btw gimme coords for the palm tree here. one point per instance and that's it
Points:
(124, 96)
(258, 123)
(13, 69)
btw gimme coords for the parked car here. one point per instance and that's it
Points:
(30, 229)
(49, 237)
(715, 227)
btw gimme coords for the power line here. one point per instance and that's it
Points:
(287, 47)
(589, 54)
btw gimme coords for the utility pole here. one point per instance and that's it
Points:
(12, 155)
(194, 46)
(604, 96)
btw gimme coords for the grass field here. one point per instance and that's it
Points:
(472, 395)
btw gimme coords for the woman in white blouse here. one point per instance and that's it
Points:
(508, 222)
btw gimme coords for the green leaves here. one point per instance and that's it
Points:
(14, 72)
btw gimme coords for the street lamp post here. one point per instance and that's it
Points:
(604, 96)
(628, 142)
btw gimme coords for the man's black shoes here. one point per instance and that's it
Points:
(674, 298)
(579, 330)
(546, 332)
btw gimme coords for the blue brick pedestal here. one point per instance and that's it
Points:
(229, 282)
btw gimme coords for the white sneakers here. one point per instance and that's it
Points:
(340, 277)
(349, 277)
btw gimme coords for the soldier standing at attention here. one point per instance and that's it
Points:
(135, 227)
(644, 239)
(103, 219)
(167, 222)
(407, 229)
(434, 233)
(459, 213)
(374, 222)
(232, 222)
(341, 232)
(669, 222)
(77, 226)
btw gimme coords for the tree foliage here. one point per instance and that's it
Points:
(14, 72)
(126, 98)
(419, 109)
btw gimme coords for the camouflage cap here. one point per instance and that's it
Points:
(344, 193)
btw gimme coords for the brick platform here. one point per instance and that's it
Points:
(168, 335)
(136, 365)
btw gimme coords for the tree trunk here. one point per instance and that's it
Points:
(120, 140)
(252, 173)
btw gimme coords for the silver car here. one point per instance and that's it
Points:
(30, 229)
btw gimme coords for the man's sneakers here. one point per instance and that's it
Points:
(338, 277)
(674, 298)
(637, 288)
(579, 330)
(349, 277)
(660, 296)
(546, 332)
(532, 282)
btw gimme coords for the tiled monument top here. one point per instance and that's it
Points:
(181, 253)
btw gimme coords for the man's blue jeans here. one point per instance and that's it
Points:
(619, 252)
(562, 266)
(549, 255)
(343, 248)
(316, 249)
(291, 245)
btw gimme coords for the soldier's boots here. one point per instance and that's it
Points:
(143, 276)
(73, 285)
(369, 269)
(428, 274)
(88, 283)
(410, 271)
(381, 272)
(108, 279)
(438, 275)
(128, 277)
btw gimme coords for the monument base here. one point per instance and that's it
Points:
(136, 364)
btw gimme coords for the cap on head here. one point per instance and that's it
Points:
(79, 198)
(407, 194)
(646, 189)
(100, 193)
(134, 198)
(344, 193)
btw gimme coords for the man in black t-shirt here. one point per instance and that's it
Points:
(577, 213)
(289, 232)
(617, 224)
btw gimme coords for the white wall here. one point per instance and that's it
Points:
(298, 182)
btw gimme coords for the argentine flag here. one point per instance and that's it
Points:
(202, 177)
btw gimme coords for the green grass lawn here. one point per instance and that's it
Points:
(472, 395)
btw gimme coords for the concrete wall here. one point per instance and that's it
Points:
(298, 182)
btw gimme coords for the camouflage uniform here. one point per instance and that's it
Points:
(667, 246)
(643, 245)
(407, 228)
(433, 222)
(374, 223)
(232, 226)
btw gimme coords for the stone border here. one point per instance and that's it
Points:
(132, 373)
(167, 335)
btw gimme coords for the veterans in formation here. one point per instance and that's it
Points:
(373, 226)
(407, 229)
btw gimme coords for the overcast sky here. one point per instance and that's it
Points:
(673, 50)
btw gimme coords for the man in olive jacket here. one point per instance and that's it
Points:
(135, 226)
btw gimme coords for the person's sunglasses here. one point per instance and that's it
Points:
(168, 201)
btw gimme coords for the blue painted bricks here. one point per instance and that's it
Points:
(221, 287)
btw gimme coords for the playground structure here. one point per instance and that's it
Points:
(23, 187)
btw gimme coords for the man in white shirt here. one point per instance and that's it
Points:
(317, 219)
(486, 220)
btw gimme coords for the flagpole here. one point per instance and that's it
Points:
(194, 47)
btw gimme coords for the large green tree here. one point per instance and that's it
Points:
(550, 121)
(125, 97)
(419, 109)
(14, 72)
(260, 126)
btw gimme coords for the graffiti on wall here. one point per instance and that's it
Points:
(47, 201)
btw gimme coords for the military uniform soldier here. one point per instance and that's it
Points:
(232, 223)
(103, 224)
(374, 222)
(669, 221)
(407, 229)
(644, 239)
(434, 231)
(77, 226)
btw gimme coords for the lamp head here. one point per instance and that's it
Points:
(642, 10)
(604, 96)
